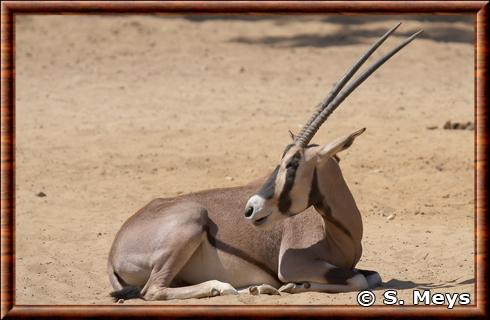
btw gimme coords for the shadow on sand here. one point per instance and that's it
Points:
(402, 284)
(358, 36)
(457, 28)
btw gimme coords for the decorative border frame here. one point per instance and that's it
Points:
(9, 9)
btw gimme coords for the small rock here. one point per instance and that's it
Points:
(391, 216)
(459, 125)
(120, 301)
(431, 127)
(41, 194)
(229, 178)
(446, 196)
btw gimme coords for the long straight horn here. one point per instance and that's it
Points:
(308, 134)
(347, 76)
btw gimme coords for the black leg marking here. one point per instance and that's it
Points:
(366, 273)
(339, 275)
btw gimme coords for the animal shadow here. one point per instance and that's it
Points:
(406, 284)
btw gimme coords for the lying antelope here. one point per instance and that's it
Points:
(301, 231)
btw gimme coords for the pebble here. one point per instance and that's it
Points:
(391, 216)
(458, 125)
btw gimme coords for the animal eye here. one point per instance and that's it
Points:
(291, 164)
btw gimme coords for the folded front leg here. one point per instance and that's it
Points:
(301, 275)
(260, 289)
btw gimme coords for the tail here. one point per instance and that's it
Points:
(123, 290)
(126, 293)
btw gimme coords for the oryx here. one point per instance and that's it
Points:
(298, 229)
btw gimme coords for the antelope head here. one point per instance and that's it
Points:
(287, 190)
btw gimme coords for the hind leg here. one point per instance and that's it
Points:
(179, 245)
(177, 248)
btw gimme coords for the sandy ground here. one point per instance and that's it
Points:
(115, 111)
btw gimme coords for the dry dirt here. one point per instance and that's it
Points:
(114, 111)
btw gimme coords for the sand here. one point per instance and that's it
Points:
(114, 111)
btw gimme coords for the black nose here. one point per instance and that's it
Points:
(248, 212)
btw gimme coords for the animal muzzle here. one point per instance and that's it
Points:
(254, 210)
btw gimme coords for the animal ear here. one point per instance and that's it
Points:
(334, 147)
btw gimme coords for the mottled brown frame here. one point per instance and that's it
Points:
(11, 8)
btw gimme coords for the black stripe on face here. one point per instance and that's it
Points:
(268, 188)
(291, 168)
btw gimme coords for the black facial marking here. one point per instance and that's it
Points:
(268, 188)
(291, 168)
(339, 275)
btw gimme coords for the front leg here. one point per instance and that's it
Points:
(260, 289)
(302, 272)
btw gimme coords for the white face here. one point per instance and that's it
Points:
(286, 191)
